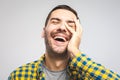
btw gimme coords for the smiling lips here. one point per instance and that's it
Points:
(60, 37)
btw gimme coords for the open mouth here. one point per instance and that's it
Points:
(61, 39)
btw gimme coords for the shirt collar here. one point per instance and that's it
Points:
(41, 62)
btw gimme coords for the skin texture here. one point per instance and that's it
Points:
(64, 25)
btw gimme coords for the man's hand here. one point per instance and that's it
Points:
(73, 46)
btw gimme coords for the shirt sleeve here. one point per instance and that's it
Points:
(82, 67)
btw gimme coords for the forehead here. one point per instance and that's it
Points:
(63, 14)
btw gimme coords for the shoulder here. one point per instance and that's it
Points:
(25, 71)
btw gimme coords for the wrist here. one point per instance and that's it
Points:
(75, 52)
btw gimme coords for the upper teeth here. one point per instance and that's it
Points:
(59, 37)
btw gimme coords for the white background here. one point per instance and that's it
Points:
(22, 21)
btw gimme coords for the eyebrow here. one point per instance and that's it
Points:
(70, 21)
(55, 19)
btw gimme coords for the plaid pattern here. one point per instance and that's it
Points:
(79, 68)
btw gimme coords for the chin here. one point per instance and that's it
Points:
(59, 51)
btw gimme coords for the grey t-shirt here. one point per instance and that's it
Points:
(55, 75)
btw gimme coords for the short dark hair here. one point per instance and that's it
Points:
(66, 7)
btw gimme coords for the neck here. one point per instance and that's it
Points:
(56, 62)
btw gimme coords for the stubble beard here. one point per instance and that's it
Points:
(53, 51)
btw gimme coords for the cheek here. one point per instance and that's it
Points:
(49, 29)
(48, 33)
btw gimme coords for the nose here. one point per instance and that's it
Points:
(62, 27)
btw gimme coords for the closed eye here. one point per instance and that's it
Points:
(55, 20)
(71, 23)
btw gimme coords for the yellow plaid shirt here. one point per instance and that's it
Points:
(79, 68)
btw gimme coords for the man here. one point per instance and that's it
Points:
(62, 59)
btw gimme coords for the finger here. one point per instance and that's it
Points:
(78, 26)
(69, 28)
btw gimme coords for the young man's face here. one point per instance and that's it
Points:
(57, 36)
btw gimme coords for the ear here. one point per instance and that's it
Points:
(43, 33)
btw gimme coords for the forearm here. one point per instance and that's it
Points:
(91, 70)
